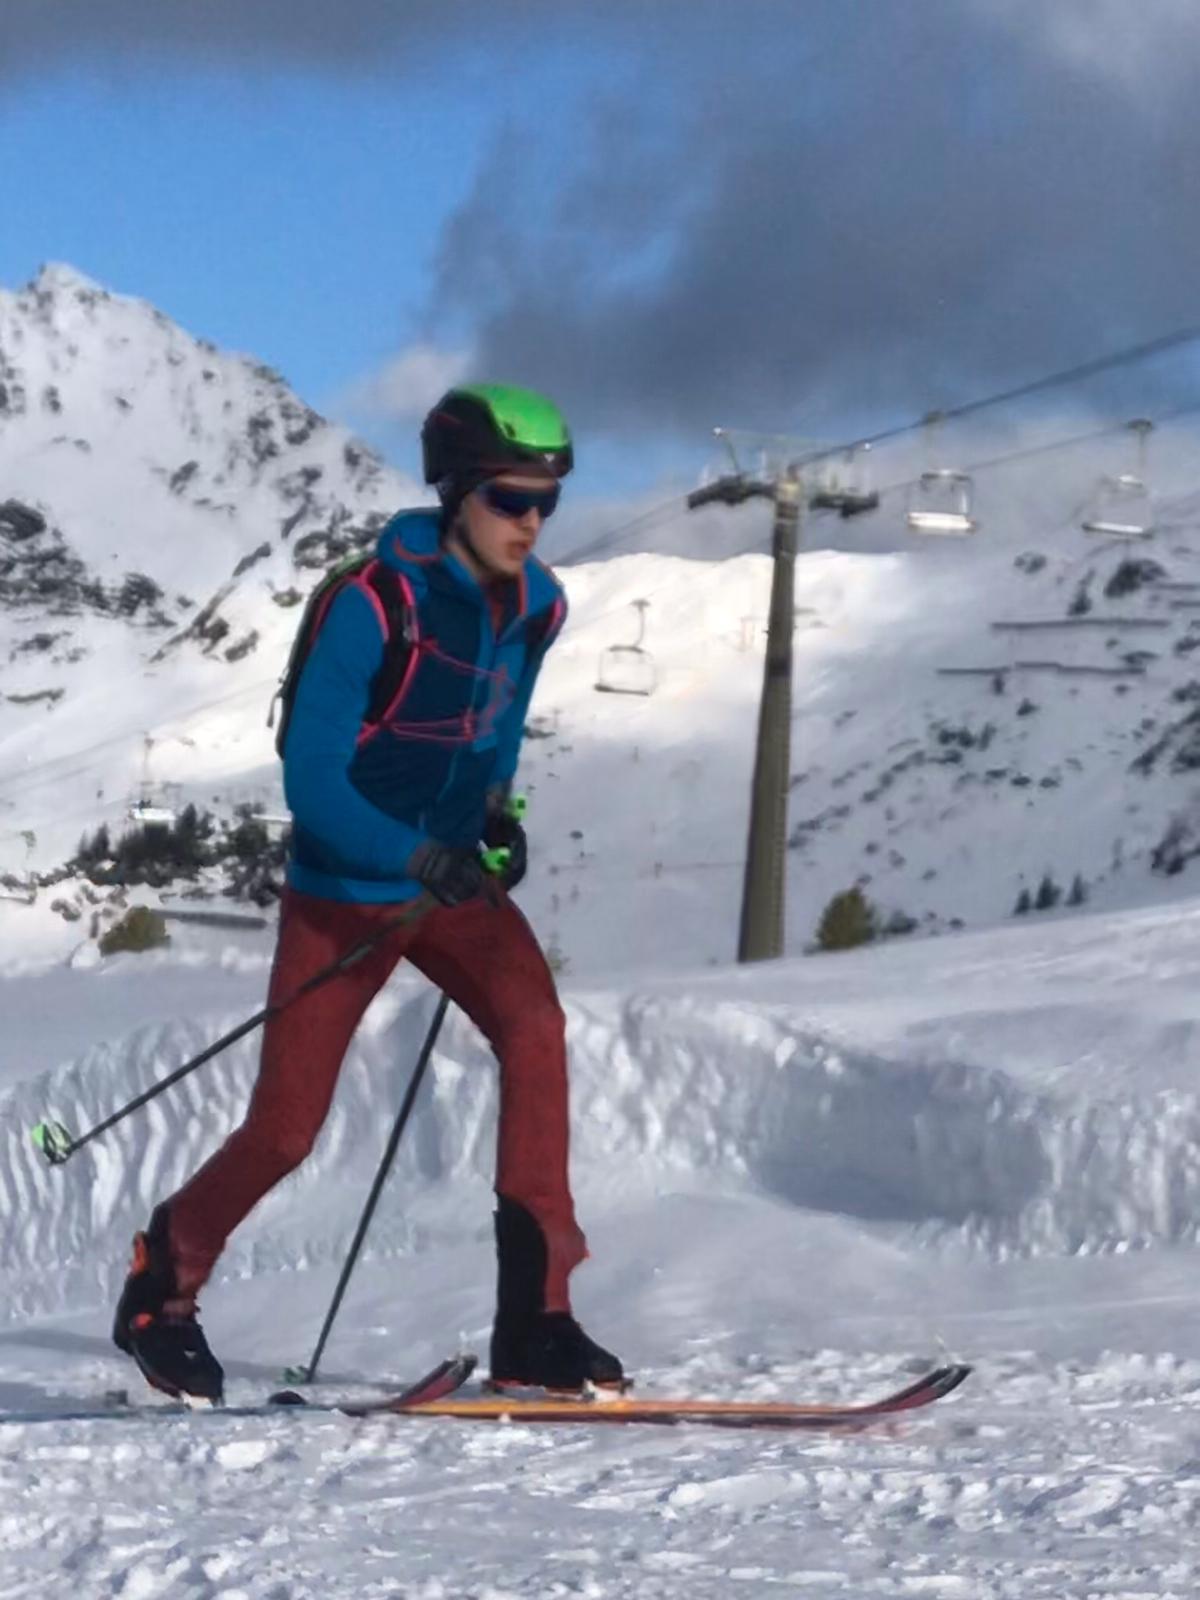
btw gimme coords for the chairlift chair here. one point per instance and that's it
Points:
(844, 485)
(149, 814)
(628, 668)
(147, 809)
(941, 503)
(1121, 508)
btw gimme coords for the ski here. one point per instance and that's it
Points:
(436, 1395)
(438, 1384)
(933, 1385)
(445, 1380)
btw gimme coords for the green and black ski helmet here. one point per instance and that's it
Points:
(479, 430)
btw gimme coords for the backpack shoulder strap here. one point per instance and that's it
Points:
(542, 628)
(392, 595)
(316, 609)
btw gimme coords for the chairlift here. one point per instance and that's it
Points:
(1121, 507)
(149, 814)
(941, 503)
(149, 809)
(844, 486)
(628, 668)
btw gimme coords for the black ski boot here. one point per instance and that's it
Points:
(157, 1326)
(533, 1347)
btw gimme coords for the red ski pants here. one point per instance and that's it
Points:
(485, 957)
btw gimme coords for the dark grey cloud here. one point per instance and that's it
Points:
(860, 209)
(36, 34)
(772, 213)
(337, 36)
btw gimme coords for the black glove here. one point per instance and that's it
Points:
(502, 831)
(451, 873)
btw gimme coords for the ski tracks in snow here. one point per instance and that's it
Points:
(1037, 1482)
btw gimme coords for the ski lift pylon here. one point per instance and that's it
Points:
(628, 668)
(1121, 506)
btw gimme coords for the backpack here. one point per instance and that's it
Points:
(395, 599)
(400, 615)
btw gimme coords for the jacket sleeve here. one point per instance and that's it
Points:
(511, 727)
(327, 713)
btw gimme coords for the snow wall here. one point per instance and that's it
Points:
(671, 1093)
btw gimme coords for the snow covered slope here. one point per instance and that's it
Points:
(170, 504)
(796, 1179)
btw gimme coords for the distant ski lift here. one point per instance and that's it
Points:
(628, 668)
(941, 503)
(1121, 507)
(152, 807)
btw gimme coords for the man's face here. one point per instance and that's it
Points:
(503, 540)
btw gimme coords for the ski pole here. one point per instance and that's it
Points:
(307, 1374)
(58, 1145)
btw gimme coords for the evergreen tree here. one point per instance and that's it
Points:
(187, 839)
(94, 849)
(1048, 894)
(848, 920)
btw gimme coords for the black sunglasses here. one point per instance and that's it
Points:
(517, 503)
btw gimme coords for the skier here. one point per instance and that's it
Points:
(385, 813)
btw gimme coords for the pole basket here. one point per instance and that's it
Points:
(53, 1140)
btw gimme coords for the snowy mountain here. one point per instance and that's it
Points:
(164, 506)
(974, 720)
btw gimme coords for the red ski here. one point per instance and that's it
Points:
(591, 1409)
(437, 1385)
(435, 1395)
(433, 1389)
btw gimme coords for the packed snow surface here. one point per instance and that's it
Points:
(801, 1180)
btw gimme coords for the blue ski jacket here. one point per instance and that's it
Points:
(363, 798)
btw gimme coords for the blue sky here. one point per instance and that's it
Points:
(292, 217)
(815, 218)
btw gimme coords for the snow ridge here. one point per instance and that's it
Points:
(725, 1096)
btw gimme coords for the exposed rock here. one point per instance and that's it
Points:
(1132, 574)
(38, 697)
(244, 565)
(243, 647)
(182, 476)
(19, 521)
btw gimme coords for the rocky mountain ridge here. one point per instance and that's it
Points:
(146, 474)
